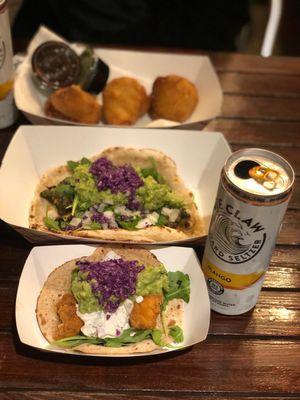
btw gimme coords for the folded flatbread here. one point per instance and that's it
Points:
(58, 283)
(138, 158)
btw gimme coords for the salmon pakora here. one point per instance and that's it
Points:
(144, 314)
(124, 101)
(70, 323)
(173, 98)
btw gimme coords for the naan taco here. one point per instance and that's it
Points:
(117, 301)
(122, 194)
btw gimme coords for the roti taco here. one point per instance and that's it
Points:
(117, 301)
(122, 194)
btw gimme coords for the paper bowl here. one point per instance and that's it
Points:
(144, 66)
(43, 260)
(199, 157)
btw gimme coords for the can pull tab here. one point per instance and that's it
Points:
(269, 178)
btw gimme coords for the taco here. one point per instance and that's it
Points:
(122, 194)
(117, 301)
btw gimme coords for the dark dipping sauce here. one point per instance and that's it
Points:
(55, 65)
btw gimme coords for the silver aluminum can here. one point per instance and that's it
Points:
(253, 195)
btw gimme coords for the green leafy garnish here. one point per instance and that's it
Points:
(162, 220)
(152, 171)
(72, 165)
(176, 333)
(95, 226)
(130, 224)
(157, 337)
(51, 223)
(179, 287)
(128, 336)
(61, 196)
(74, 341)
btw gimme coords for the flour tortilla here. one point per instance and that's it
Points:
(58, 283)
(137, 158)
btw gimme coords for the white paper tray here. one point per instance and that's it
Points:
(43, 260)
(143, 66)
(199, 157)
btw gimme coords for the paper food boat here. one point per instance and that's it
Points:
(43, 260)
(144, 66)
(199, 157)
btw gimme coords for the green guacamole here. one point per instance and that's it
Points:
(154, 196)
(87, 192)
(152, 280)
(82, 292)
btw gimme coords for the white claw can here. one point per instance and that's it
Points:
(253, 195)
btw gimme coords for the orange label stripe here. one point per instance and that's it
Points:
(229, 280)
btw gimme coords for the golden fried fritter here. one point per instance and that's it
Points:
(73, 104)
(124, 101)
(173, 97)
(70, 322)
(144, 314)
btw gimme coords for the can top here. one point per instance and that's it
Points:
(259, 172)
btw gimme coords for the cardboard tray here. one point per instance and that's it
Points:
(43, 260)
(199, 157)
(144, 66)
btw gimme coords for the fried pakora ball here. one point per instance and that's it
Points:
(124, 101)
(73, 104)
(70, 323)
(173, 97)
(144, 314)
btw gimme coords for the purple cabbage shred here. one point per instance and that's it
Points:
(118, 179)
(112, 281)
(100, 218)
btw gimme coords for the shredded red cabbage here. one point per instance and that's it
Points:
(100, 218)
(112, 281)
(118, 179)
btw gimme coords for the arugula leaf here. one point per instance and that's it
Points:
(95, 226)
(152, 171)
(72, 165)
(162, 220)
(179, 287)
(130, 224)
(177, 334)
(51, 223)
(128, 336)
(61, 196)
(157, 337)
(74, 341)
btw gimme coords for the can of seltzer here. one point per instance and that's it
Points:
(8, 112)
(253, 195)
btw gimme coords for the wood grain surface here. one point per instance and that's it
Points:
(251, 356)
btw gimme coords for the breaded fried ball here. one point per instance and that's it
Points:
(174, 98)
(73, 104)
(124, 101)
(70, 323)
(144, 314)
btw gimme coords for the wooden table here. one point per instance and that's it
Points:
(252, 356)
